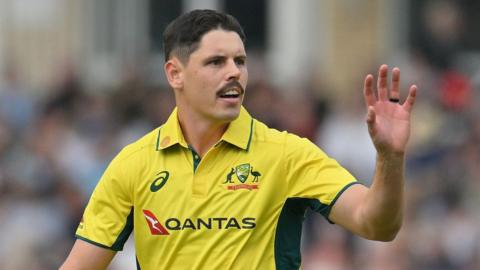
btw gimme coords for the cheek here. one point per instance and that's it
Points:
(244, 79)
(204, 89)
(200, 78)
(195, 82)
(201, 86)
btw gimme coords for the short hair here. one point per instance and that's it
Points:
(182, 36)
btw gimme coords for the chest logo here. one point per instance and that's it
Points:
(245, 174)
(155, 226)
(159, 181)
(169, 225)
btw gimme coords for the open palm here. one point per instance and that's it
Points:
(388, 120)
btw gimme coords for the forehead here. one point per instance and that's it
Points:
(220, 41)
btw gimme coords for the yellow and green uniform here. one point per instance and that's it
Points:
(241, 206)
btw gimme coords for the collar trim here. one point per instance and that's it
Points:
(239, 132)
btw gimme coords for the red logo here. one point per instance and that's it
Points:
(155, 227)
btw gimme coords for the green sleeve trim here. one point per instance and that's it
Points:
(121, 239)
(93, 242)
(329, 207)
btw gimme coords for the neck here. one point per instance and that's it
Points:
(200, 133)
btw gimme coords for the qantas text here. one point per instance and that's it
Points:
(210, 223)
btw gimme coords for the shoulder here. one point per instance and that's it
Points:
(263, 133)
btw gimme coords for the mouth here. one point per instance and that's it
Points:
(229, 93)
(232, 90)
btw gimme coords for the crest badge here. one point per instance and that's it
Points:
(243, 171)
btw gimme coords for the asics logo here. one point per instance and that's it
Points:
(159, 181)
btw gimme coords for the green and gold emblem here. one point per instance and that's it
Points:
(243, 171)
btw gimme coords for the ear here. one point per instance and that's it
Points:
(174, 72)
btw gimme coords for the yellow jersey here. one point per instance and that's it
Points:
(241, 206)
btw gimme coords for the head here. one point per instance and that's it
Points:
(182, 36)
(205, 63)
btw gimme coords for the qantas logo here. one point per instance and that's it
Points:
(155, 227)
(175, 224)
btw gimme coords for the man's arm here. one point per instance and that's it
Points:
(87, 256)
(377, 212)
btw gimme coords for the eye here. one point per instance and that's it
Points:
(240, 61)
(215, 62)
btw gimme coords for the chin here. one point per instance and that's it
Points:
(228, 115)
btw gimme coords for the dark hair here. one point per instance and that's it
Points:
(182, 35)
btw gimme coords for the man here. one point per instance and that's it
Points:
(214, 188)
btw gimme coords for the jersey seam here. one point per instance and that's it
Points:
(135, 151)
(131, 185)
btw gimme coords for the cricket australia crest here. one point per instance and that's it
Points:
(246, 176)
(243, 171)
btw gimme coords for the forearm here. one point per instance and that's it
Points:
(382, 209)
(87, 256)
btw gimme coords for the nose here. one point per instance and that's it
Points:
(233, 72)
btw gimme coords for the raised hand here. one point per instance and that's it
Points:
(388, 119)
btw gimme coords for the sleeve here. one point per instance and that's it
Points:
(313, 176)
(108, 218)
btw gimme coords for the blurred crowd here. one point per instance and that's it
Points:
(54, 147)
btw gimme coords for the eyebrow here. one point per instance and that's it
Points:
(242, 56)
(222, 57)
(214, 57)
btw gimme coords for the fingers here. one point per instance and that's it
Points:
(382, 83)
(410, 101)
(368, 94)
(395, 89)
(382, 88)
(371, 120)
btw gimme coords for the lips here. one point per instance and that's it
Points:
(230, 93)
(231, 90)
